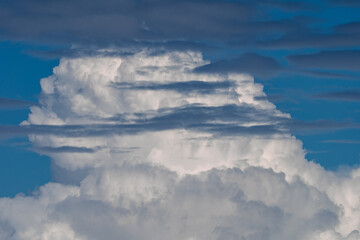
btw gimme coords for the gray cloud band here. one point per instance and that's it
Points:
(118, 22)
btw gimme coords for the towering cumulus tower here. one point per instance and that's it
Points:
(145, 147)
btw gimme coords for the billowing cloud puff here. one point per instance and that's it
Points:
(150, 149)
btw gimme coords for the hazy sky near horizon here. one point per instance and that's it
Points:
(166, 110)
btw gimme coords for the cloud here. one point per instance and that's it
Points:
(321, 125)
(336, 60)
(161, 159)
(341, 35)
(324, 74)
(223, 200)
(199, 87)
(252, 63)
(349, 95)
(119, 23)
(124, 49)
(67, 149)
(309, 39)
(265, 67)
(347, 28)
(75, 22)
(342, 141)
(217, 121)
(7, 103)
(345, 2)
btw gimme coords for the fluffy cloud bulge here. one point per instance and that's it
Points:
(143, 147)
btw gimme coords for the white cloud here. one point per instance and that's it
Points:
(174, 183)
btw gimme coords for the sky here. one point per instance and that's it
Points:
(179, 119)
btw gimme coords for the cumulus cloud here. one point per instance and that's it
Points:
(185, 180)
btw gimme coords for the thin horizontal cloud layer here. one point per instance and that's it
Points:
(340, 35)
(175, 180)
(345, 2)
(180, 119)
(335, 60)
(7, 103)
(349, 95)
(309, 39)
(342, 141)
(266, 67)
(252, 63)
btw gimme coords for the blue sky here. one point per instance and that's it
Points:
(22, 170)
